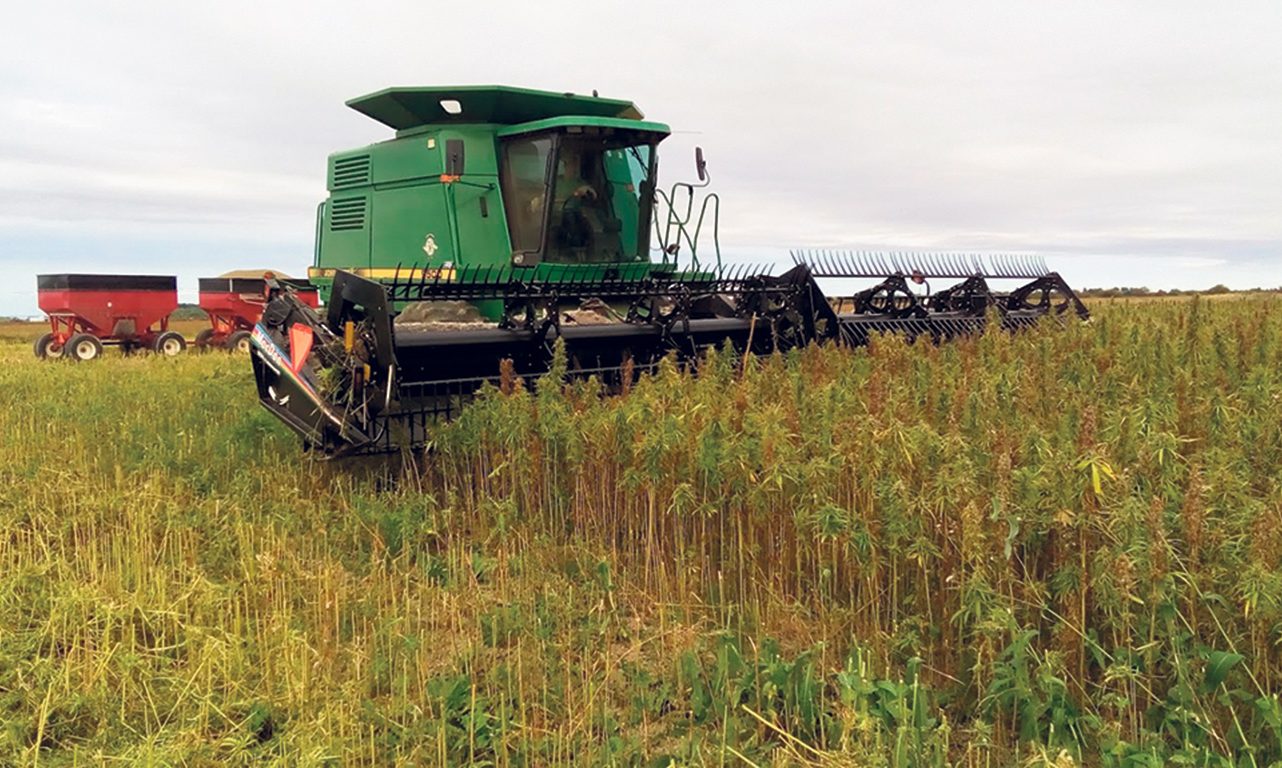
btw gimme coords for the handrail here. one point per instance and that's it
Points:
(669, 245)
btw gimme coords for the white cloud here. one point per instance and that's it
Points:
(1131, 136)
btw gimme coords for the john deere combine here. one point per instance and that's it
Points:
(499, 220)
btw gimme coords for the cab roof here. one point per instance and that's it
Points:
(411, 107)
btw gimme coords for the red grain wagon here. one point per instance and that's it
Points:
(87, 312)
(234, 306)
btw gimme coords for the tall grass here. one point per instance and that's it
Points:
(1056, 548)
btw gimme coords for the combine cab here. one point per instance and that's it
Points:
(499, 221)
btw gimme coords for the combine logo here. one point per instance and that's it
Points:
(429, 245)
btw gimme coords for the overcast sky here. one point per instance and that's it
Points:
(1130, 143)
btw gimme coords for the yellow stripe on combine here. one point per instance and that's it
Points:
(388, 273)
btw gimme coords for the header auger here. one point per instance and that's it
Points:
(500, 221)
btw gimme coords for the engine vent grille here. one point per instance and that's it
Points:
(347, 214)
(351, 171)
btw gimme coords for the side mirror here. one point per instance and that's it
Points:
(700, 167)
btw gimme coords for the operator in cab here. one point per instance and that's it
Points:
(580, 218)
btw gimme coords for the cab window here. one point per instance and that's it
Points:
(524, 182)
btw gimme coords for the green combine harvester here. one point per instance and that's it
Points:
(499, 220)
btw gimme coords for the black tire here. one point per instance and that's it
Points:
(48, 348)
(204, 339)
(169, 344)
(239, 342)
(83, 347)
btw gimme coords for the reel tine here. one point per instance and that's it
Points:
(1025, 267)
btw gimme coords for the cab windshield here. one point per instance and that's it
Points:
(584, 198)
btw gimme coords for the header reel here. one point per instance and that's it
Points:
(355, 381)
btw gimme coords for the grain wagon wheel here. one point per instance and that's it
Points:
(48, 348)
(239, 342)
(83, 346)
(170, 344)
(204, 339)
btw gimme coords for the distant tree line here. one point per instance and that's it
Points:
(188, 312)
(1107, 293)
